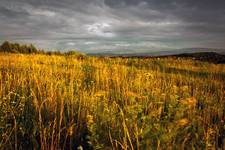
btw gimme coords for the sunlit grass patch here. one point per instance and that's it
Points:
(66, 102)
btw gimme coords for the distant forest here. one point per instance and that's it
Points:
(9, 47)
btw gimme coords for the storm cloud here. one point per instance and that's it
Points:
(108, 25)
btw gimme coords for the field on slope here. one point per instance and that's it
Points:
(62, 102)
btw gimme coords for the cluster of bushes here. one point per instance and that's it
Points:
(18, 48)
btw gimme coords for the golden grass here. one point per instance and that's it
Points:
(65, 102)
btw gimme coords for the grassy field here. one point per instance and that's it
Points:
(75, 102)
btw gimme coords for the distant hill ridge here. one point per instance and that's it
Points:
(158, 53)
(205, 56)
(213, 57)
(202, 54)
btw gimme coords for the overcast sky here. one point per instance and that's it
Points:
(107, 25)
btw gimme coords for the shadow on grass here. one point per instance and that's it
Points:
(218, 76)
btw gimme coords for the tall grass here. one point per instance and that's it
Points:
(69, 102)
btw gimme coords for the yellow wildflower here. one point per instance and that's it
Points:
(183, 122)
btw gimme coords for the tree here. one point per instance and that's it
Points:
(33, 48)
(6, 47)
(16, 47)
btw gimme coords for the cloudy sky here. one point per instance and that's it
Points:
(110, 25)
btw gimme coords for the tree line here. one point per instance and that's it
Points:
(19, 48)
(9, 47)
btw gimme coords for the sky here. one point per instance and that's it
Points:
(112, 25)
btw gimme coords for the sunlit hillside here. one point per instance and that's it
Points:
(82, 102)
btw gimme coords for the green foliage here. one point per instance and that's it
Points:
(17, 48)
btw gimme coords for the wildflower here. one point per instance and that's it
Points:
(131, 94)
(80, 148)
(192, 101)
(175, 89)
(135, 95)
(90, 119)
(149, 75)
(71, 130)
(185, 88)
(183, 122)
(100, 94)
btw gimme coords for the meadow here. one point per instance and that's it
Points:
(83, 102)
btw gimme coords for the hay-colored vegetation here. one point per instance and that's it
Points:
(62, 102)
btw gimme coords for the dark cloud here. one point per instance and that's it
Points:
(98, 25)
